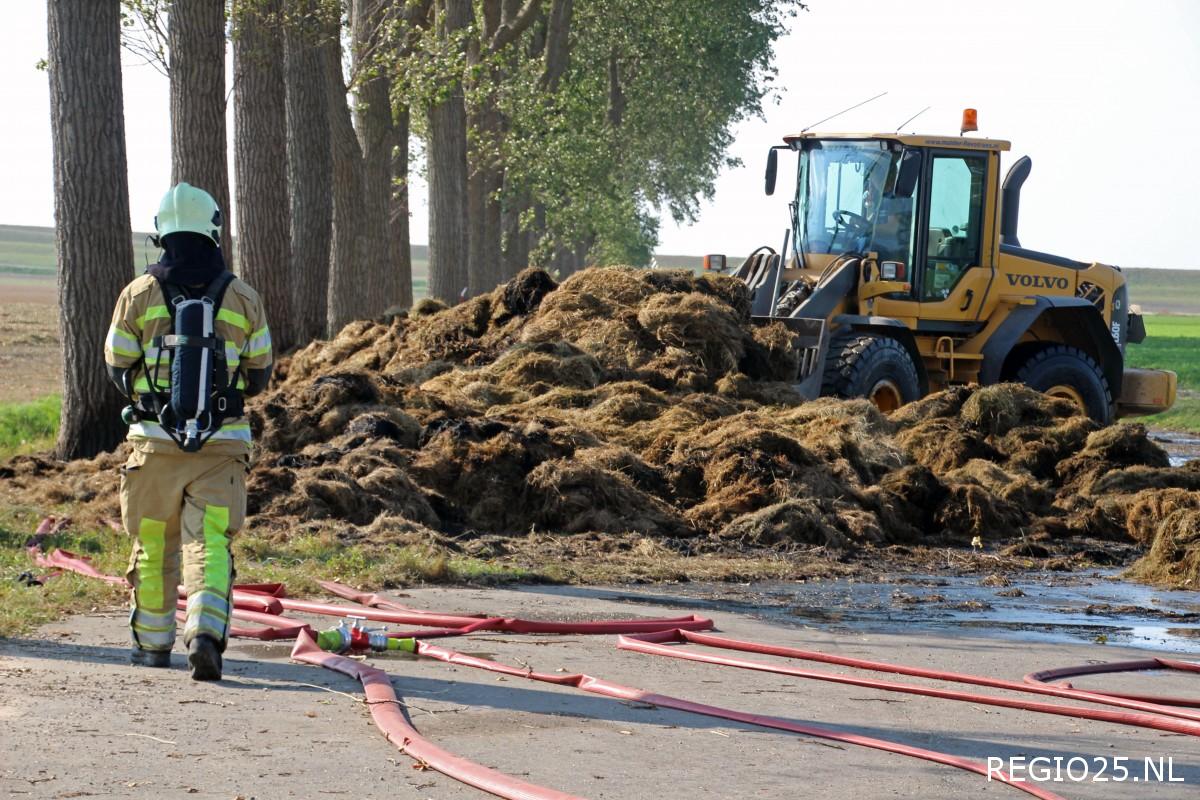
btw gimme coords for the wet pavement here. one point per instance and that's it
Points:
(1096, 607)
(1181, 447)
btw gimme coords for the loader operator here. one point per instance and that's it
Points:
(890, 218)
(188, 341)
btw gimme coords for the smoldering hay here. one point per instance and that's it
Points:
(644, 401)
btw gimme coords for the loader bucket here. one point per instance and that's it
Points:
(812, 340)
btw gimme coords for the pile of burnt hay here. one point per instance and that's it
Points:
(644, 402)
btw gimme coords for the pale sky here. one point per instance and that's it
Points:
(1092, 90)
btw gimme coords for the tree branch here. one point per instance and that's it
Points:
(509, 30)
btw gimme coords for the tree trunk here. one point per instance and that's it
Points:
(514, 238)
(558, 51)
(348, 277)
(484, 264)
(376, 138)
(493, 182)
(260, 161)
(310, 174)
(93, 244)
(196, 45)
(477, 277)
(447, 157)
(399, 237)
(517, 241)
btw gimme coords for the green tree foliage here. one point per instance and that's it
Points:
(641, 119)
(631, 112)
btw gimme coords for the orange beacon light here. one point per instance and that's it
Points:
(970, 120)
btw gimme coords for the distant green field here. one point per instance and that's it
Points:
(1165, 291)
(28, 250)
(1172, 342)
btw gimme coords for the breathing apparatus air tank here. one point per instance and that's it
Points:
(191, 371)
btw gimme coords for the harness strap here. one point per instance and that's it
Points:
(228, 401)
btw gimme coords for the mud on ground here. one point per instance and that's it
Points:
(638, 413)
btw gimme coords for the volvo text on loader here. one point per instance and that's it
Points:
(904, 275)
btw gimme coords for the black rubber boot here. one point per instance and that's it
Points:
(204, 658)
(150, 658)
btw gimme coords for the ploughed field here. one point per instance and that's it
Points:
(637, 414)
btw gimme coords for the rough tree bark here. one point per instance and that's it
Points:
(348, 277)
(377, 139)
(196, 64)
(399, 235)
(310, 170)
(515, 239)
(93, 242)
(260, 161)
(447, 161)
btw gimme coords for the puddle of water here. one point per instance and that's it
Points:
(1030, 607)
(1180, 447)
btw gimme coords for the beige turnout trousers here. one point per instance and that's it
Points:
(177, 504)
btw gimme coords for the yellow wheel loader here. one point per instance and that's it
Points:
(904, 275)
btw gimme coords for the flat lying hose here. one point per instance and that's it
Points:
(268, 599)
(1042, 678)
(383, 702)
(385, 711)
(513, 625)
(587, 683)
(653, 644)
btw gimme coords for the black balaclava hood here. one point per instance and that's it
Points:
(188, 259)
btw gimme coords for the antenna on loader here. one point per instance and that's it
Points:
(914, 116)
(843, 111)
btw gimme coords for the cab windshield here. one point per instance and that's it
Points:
(844, 200)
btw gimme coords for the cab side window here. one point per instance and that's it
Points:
(955, 222)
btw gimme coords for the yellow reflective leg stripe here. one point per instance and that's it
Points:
(217, 566)
(152, 631)
(152, 541)
(208, 613)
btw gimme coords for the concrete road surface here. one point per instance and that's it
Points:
(77, 721)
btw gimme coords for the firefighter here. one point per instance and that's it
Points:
(188, 342)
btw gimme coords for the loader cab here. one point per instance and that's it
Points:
(921, 203)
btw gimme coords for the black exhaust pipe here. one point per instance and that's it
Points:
(1011, 200)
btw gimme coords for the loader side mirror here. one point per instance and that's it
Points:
(906, 176)
(772, 168)
(714, 263)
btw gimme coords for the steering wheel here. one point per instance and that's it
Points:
(855, 223)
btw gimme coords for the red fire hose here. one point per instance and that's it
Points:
(263, 604)
(1157, 717)
(1042, 679)
(385, 710)
(599, 686)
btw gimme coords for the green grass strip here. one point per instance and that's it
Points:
(28, 427)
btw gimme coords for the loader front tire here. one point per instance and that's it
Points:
(1070, 373)
(869, 365)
